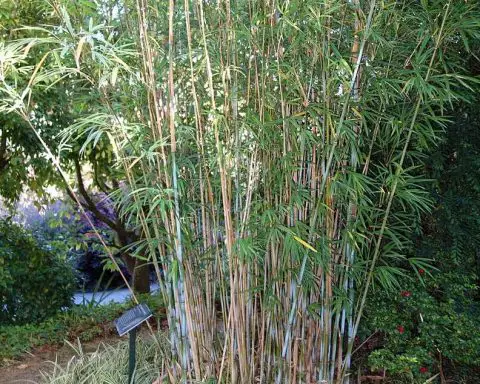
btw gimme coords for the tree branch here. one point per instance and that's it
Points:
(89, 203)
(100, 183)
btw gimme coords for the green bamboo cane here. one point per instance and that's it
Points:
(291, 317)
(398, 170)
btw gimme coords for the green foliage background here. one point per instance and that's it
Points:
(34, 283)
(439, 309)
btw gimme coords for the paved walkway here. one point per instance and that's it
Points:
(106, 297)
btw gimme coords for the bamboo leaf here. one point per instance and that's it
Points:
(78, 51)
(305, 244)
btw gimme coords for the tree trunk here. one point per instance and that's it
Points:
(138, 268)
(139, 272)
(141, 277)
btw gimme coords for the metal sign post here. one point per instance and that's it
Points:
(128, 323)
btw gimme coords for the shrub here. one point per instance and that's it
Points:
(422, 329)
(432, 327)
(34, 283)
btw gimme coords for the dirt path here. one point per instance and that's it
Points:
(29, 369)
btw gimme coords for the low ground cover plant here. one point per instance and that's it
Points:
(83, 323)
(109, 364)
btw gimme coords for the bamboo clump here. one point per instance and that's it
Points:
(269, 152)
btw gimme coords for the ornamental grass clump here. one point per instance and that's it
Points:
(269, 155)
(108, 364)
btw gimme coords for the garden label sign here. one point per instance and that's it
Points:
(132, 319)
(128, 323)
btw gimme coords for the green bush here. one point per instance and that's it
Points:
(424, 328)
(430, 324)
(34, 283)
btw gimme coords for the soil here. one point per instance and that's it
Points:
(29, 368)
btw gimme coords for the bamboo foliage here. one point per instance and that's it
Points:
(270, 155)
